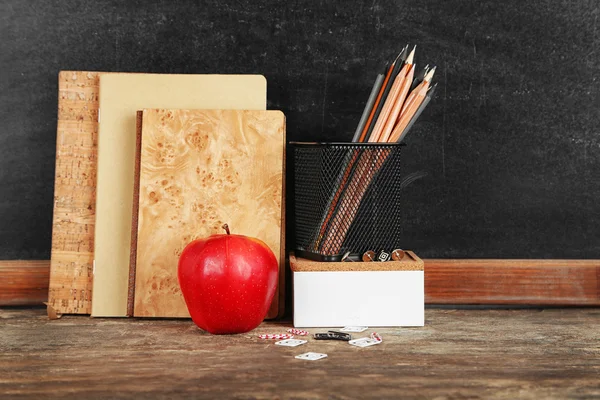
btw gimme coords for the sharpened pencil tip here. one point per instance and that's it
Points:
(402, 55)
(429, 75)
(411, 56)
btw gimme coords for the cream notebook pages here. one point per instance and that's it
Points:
(121, 95)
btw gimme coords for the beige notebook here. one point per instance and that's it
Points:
(200, 169)
(121, 95)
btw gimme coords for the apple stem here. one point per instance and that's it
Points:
(226, 227)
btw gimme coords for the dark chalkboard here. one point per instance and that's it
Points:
(511, 143)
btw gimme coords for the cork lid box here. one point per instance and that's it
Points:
(374, 294)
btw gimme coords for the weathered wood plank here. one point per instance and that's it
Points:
(536, 282)
(527, 354)
(24, 282)
(533, 282)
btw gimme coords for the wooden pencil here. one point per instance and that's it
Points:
(368, 107)
(408, 113)
(350, 164)
(333, 202)
(430, 93)
(363, 134)
(426, 80)
(401, 99)
(350, 159)
(385, 111)
(385, 89)
(397, 107)
(369, 163)
(393, 96)
(419, 77)
(367, 167)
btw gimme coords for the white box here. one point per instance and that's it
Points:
(358, 294)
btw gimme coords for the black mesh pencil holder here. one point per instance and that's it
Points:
(346, 198)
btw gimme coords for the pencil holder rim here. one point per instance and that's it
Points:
(346, 144)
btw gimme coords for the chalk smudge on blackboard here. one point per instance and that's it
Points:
(444, 124)
(410, 178)
(324, 97)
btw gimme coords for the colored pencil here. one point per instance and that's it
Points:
(350, 159)
(396, 94)
(408, 113)
(368, 107)
(397, 107)
(396, 101)
(419, 77)
(398, 64)
(430, 93)
(411, 97)
(363, 134)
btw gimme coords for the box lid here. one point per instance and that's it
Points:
(410, 262)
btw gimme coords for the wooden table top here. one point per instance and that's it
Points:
(552, 353)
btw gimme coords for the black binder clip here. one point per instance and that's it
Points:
(383, 256)
(333, 335)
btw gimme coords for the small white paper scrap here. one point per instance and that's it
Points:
(364, 342)
(354, 328)
(290, 342)
(311, 356)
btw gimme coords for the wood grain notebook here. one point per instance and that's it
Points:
(121, 96)
(198, 170)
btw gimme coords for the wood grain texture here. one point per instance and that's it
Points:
(529, 282)
(134, 214)
(70, 290)
(198, 170)
(24, 282)
(549, 282)
(458, 354)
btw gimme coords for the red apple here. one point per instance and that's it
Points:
(228, 282)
